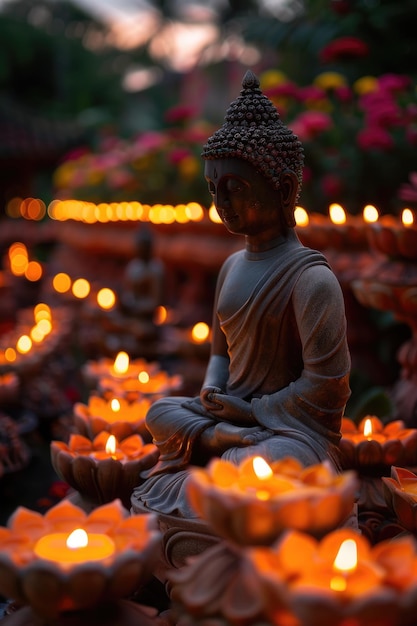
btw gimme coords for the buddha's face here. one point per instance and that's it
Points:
(245, 201)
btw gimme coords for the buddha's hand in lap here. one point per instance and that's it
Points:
(231, 409)
(206, 395)
(225, 435)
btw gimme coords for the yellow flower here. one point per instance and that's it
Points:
(63, 175)
(330, 80)
(364, 85)
(272, 78)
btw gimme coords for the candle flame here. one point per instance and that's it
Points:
(143, 376)
(115, 405)
(347, 557)
(407, 217)
(367, 428)
(111, 444)
(301, 216)
(337, 214)
(370, 214)
(121, 363)
(261, 468)
(77, 539)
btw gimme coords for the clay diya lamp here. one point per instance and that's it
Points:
(400, 491)
(103, 469)
(394, 237)
(254, 502)
(116, 416)
(373, 445)
(336, 231)
(61, 576)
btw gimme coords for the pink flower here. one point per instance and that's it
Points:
(310, 124)
(394, 82)
(343, 48)
(408, 191)
(288, 90)
(177, 155)
(374, 138)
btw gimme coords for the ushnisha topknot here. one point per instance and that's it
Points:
(253, 131)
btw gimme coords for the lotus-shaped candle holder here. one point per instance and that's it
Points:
(117, 416)
(400, 491)
(39, 569)
(372, 444)
(321, 233)
(103, 469)
(301, 581)
(145, 385)
(94, 371)
(255, 502)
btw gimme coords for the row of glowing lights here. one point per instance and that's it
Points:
(91, 213)
(104, 212)
(38, 332)
(338, 216)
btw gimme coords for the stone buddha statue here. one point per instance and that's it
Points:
(277, 380)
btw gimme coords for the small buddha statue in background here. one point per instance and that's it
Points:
(141, 291)
(277, 380)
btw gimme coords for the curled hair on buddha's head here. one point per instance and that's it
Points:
(253, 131)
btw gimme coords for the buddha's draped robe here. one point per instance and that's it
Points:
(282, 312)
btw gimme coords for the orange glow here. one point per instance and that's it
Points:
(407, 217)
(337, 214)
(33, 271)
(10, 355)
(61, 282)
(301, 216)
(42, 312)
(77, 547)
(370, 214)
(106, 298)
(200, 332)
(81, 288)
(160, 315)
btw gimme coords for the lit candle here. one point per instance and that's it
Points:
(345, 562)
(74, 548)
(121, 364)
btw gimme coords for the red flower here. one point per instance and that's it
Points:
(374, 138)
(312, 93)
(394, 82)
(179, 114)
(288, 90)
(344, 48)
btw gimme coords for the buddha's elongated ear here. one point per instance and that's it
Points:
(288, 190)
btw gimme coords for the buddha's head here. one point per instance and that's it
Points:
(254, 132)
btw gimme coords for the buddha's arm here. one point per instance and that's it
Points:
(320, 394)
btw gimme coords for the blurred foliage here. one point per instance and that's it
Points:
(46, 65)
